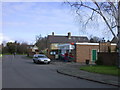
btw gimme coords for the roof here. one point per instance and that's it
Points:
(93, 44)
(88, 43)
(65, 39)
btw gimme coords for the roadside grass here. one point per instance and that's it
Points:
(7, 54)
(109, 70)
(12, 54)
(29, 56)
(21, 54)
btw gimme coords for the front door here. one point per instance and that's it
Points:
(94, 55)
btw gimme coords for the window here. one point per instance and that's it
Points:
(52, 52)
(54, 46)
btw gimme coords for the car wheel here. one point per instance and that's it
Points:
(37, 62)
(34, 61)
(48, 63)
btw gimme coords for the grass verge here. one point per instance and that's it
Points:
(12, 54)
(7, 54)
(29, 56)
(109, 70)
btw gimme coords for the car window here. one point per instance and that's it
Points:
(40, 56)
(35, 56)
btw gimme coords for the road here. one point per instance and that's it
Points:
(0, 72)
(21, 72)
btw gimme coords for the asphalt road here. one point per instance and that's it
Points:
(21, 72)
(0, 73)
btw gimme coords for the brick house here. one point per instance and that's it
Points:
(32, 49)
(88, 51)
(107, 47)
(108, 53)
(53, 41)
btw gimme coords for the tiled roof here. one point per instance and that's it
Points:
(65, 39)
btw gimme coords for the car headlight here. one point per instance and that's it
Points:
(39, 59)
(48, 59)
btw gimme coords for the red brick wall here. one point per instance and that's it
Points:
(84, 52)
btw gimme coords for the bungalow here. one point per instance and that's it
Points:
(87, 51)
(53, 41)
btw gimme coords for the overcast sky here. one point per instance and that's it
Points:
(22, 21)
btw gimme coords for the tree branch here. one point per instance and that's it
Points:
(98, 10)
(89, 18)
(105, 19)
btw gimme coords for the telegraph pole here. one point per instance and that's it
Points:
(118, 44)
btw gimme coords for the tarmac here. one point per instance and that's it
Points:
(73, 69)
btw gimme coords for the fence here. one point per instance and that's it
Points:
(108, 58)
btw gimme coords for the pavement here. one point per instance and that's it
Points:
(73, 69)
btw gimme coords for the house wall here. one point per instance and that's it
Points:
(32, 50)
(113, 48)
(84, 52)
(51, 56)
(104, 47)
(53, 47)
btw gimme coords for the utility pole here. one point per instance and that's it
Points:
(15, 47)
(118, 44)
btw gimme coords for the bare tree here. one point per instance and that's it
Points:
(41, 42)
(108, 11)
(22, 48)
(95, 39)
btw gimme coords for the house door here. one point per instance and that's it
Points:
(94, 55)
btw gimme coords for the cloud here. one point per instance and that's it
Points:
(54, 0)
(32, 0)
(5, 38)
(13, 7)
(14, 23)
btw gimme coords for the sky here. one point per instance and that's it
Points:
(22, 21)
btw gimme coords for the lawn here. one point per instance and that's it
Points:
(109, 70)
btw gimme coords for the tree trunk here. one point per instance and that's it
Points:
(118, 34)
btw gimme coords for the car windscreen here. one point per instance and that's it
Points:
(40, 56)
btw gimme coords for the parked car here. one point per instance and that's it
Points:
(41, 58)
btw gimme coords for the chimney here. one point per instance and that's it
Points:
(52, 33)
(69, 35)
